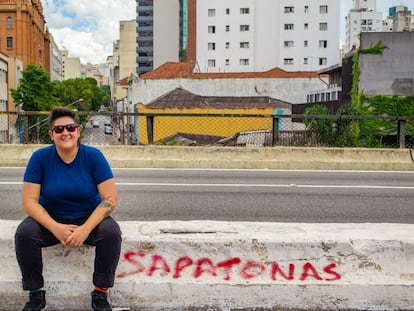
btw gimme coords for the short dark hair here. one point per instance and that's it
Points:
(59, 112)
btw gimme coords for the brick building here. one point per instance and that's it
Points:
(23, 32)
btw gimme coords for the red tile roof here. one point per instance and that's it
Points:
(174, 70)
(124, 81)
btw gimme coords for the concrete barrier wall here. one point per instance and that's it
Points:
(203, 265)
(236, 157)
(206, 265)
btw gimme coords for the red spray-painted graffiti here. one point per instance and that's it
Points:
(185, 266)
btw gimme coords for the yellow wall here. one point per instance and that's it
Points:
(207, 125)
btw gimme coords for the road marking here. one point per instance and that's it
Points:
(245, 185)
(265, 185)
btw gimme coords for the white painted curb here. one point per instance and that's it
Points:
(209, 265)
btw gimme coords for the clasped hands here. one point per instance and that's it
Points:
(71, 235)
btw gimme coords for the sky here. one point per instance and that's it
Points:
(87, 29)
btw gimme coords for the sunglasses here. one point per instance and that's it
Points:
(58, 129)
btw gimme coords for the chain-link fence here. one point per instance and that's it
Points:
(106, 128)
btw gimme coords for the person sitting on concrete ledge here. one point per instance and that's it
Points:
(68, 194)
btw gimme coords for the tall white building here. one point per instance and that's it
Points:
(258, 35)
(363, 17)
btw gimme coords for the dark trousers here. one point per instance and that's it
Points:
(31, 237)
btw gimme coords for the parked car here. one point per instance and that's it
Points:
(95, 123)
(108, 129)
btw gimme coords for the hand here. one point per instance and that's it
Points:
(77, 237)
(62, 232)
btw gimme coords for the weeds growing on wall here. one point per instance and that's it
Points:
(368, 133)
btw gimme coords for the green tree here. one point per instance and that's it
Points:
(69, 91)
(34, 92)
(106, 95)
(341, 131)
(321, 128)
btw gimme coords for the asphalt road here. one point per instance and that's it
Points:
(248, 195)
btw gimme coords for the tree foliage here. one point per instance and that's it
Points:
(37, 93)
(332, 132)
(35, 90)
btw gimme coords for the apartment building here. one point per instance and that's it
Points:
(127, 48)
(363, 17)
(124, 60)
(71, 66)
(23, 33)
(402, 20)
(159, 23)
(56, 61)
(257, 35)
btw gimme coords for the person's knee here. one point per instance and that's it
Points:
(24, 230)
(110, 230)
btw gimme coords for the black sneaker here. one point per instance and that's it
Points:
(37, 301)
(100, 301)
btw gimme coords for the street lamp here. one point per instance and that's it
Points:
(75, 102)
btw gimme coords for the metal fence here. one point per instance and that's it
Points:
(107, 128)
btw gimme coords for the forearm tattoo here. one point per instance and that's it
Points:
(108, 205)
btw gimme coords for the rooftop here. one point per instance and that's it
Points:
(181, 98)
(188, 70)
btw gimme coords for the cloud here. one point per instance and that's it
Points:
(87, 29)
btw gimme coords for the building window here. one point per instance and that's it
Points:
(227, 45)
(323, 26)
(306, 26)
(244, 11)
(211, 46)
(323, 61)
(288, 26)
(323, 9)
(211, 63)
(305, 61)
(289, 9)
(211, 29)
(9, 42)
(227, 28)
(244, 45)
(211, 12)
(288, 61)
(227, 62)
(305, 43)
(244, 27)
(227, 11)
(306, 8)
(244, 61)
(9, 23)
(288, 44)
(323, 44)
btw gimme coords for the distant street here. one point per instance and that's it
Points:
(248, 195)
(96, 135)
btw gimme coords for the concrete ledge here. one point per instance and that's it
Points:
(200, 265)
(236, 157)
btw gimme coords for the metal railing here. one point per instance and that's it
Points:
(200, 129)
